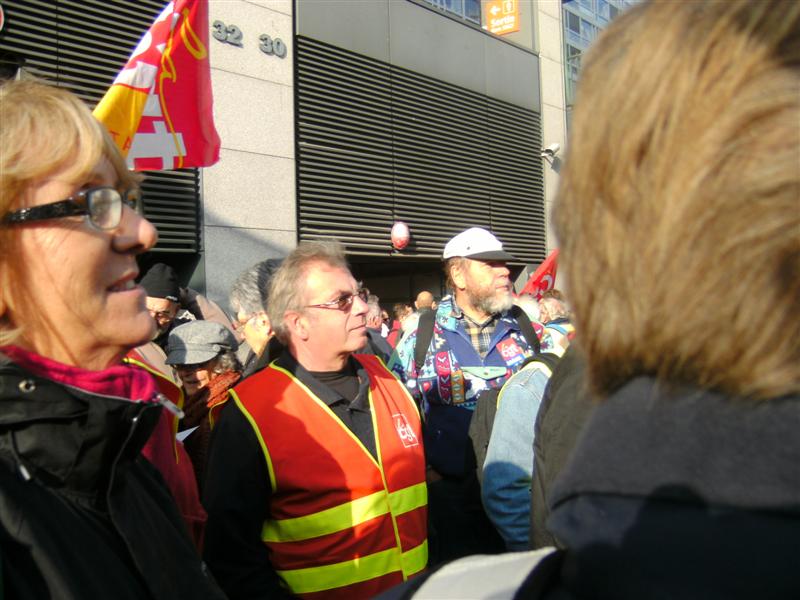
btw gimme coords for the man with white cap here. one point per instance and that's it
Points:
(475, 345)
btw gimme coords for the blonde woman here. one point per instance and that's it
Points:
(82, 514)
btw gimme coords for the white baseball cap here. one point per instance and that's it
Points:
(476, 243)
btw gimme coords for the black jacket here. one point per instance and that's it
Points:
(82, 514)
(670, 493)
(566, 405)
(680, 493)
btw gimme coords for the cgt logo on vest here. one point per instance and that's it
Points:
(404, 431)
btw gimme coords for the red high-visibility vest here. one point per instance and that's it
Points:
(341, 524)
(168, 455)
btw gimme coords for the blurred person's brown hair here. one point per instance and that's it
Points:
(681, 190)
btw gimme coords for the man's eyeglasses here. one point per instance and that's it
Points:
(242, 323)
(103, 206)
(343, 302)
(161, 314)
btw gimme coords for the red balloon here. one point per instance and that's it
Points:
(400, 235)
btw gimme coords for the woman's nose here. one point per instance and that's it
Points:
(135, 233)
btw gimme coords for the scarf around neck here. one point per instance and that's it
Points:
(121, 381)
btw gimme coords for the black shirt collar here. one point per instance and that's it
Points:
(325, 393)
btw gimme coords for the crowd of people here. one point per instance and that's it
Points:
(635, 437)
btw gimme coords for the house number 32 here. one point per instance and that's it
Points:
(231, 34)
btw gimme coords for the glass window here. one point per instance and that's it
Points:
(469, 10)
(603, 9)
(455, 6)
(588, 31)
(472, 11)
(573, 22)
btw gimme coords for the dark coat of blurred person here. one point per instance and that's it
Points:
(565, 408)
(681, 190)
(82, 513)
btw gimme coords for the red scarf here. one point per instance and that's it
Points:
(121, 381)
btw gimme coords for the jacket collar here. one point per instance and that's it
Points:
(650, 440)
(64, 436)
(325, 393)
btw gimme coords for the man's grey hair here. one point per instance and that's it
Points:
(250, 292)
(374, 307)
(288, 286)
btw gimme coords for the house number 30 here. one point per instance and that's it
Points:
(231, 34)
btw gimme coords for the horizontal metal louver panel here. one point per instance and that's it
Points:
(82, 45)
(378, 144)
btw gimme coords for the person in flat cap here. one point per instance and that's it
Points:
(204, 355)
(473, 342)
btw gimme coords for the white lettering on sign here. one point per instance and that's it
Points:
(404, 430)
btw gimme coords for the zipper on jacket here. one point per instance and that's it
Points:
(169, 405)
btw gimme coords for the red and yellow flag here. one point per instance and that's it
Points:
(159, 108)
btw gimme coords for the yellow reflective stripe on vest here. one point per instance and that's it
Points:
(407, 499)
(415, 560)
(326, 521)
(363, 568)
(344, 516)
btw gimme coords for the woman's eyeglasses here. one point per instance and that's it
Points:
(196, 367)
(343, 302)
(103, 206)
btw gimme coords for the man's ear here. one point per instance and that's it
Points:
(263, 324)
(262, 321)
(298, 324)
(458, 274)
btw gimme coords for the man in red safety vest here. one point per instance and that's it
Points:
(316, 475)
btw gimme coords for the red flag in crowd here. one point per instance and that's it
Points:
(159, 107)
(544, 278)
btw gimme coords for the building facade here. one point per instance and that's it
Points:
(338, 118)
(583, 20)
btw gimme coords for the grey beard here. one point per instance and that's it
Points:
(159, 331)
(491, 304)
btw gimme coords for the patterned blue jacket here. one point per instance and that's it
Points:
(452, 378)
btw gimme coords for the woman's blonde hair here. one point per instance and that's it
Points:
(43, 130)
(678, 214)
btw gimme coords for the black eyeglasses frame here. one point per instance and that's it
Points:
(78, 205)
